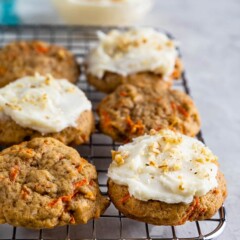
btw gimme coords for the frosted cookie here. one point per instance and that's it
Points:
(133, 54)
(45, 184)
(166, 178)
(43, 106)
(132, 110)
(25, 58)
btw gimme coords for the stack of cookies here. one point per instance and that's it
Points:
(160, 175)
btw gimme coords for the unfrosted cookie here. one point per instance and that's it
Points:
(43, 106)
(24, 58)
(166, 179)
(132, 110)
(45, 184)
(139, 53)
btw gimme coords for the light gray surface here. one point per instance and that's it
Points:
(210, 35)
(209, 32)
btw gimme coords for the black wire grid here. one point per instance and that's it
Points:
(112, 224)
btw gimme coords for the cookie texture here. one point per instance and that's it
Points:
(25, 58)
(45, 184)
(110, 81)
(161, 213)
(12, 133)
(133, 110)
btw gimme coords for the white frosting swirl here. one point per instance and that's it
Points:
(136, 50)
(165, 166)
(43, 103)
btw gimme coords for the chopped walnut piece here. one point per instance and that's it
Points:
(114, 153)
(175, 167)
(169, 43)
(13, 106)
(153, 132)
(70, 90)
(172, 140)
(119, 159)
(180, 187)
(154, 147)
(165, 167)
(199, 160)
(152, 163)
(47, 81)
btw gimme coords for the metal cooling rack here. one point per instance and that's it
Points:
(112, 225)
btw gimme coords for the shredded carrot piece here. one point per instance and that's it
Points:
(80, 183)
(178, 70)
(106, 119)
(215, 191)
(190, 211)
(129, 121)
(194, 208)
(24, 193)
(79, 168)
(176, 74)
(41, 48)
(201, 212)
(14, 173)
(30, 151)
(72, 220)
(66, 198)
(123, 94)
(124, 199)
(183, 111)
(54, 202)
(2, 70)
(137, 127)
(84, 137)
(173, 106)
(91, 183)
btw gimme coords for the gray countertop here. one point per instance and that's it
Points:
(209, 33)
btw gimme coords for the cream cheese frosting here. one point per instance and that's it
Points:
(43, 103)
(133, 51)
(165, 166)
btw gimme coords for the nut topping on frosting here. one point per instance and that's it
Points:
(133, 51)
(165, 166)
(43, 103)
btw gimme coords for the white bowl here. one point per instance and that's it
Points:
(103, 12)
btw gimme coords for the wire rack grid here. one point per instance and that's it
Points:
(112, 224)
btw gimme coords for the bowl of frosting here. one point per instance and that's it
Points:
(103, 12)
